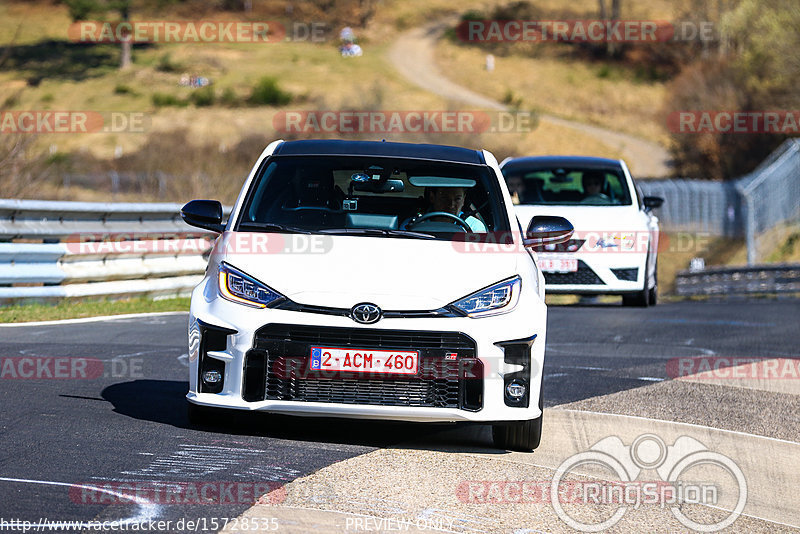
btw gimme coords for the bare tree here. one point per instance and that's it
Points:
(612, 48)
(83, 9)
(22, 167)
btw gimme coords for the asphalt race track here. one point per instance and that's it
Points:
(73, 438)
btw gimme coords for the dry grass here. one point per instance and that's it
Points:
(320, 79)
(314, 73)
(404, 14)
(564, 87)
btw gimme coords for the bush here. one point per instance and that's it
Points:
(123, 89)
(266, 92)
(203, 97)
(511, 99)
(165, 64)
(229, 98)
(164, 100)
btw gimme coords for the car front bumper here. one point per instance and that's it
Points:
(608, 273)
(239, 332)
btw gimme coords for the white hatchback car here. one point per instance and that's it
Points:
(373, 280)
(615, 246)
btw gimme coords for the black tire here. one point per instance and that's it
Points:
(520, 436)
(652, 295)
(523, 436)
(641, 298)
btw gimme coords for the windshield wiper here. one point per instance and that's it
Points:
(376, 231)
(273, 227)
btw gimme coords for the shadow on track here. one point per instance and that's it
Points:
(163, 401)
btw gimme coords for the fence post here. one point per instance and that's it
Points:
(750, 228)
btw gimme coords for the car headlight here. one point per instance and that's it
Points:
(494, 300)
(236, 286)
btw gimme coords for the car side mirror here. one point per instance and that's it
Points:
(652, 202)
(547, 230)
(205, 214)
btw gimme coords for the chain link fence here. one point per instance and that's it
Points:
(746, 207)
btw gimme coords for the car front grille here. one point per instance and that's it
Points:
(583, 276)
(277, 368)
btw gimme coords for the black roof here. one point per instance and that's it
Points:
(545, 162)
(326, 147)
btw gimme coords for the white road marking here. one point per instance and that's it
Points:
(198, 461)
(94, 319)
(584, 367)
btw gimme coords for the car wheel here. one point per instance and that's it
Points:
(652, 295)
(641, 298)
(520, 436)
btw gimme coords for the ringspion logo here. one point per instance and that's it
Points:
(675, 466)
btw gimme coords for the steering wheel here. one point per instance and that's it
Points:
(456, 219)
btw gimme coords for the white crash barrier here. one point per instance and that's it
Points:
(52, 249)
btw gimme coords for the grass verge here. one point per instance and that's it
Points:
(68, 309)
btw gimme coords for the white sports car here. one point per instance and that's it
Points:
(614, 249)
(373, 280)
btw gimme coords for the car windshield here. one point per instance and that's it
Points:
(568, 186)
(383, 197)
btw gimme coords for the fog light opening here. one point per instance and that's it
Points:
(212, 377)
(516, 390)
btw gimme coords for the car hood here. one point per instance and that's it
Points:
(341, 271)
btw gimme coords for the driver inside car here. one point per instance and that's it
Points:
(594, 188)
(449, 200)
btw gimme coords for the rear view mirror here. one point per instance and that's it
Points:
(652, 202)
(205, 214)
(547, 230)
(388, 186)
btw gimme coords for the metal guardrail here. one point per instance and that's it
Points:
(52, 250)
(764, 279)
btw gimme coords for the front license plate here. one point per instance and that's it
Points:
(364, 360)
(558, 265)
